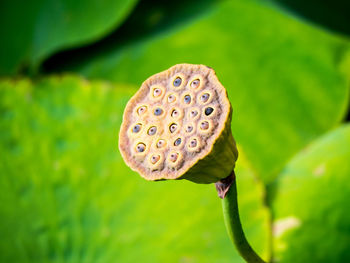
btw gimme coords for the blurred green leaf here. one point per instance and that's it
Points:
(333, 15)
(311, 205)
(31, 32)
(283, 76)
(148, 19)
(67, 196)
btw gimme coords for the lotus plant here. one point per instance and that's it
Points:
(178, 126)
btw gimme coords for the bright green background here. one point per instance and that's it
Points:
(66, 194)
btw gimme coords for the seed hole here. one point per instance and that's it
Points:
(177, 142)
(173, 127)
(193, 143)
(175, 113)
(171, 98)
(152, 130)
(158, 111)
(193, 113)
(208, 111)
(195, 83)
(204, 125)
(173, 157)
(141, 110)
(160, 143)
(157, 92)
(187, 99)
(141, 147)
(189, 128)
(155, 158)
(177, 82)
(205, 97)
(136, 128)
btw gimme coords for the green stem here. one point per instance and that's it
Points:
(233, 223)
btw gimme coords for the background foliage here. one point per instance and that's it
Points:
(69, 67)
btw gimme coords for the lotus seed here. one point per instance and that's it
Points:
(193, 113)
(204, 125)
(160, 143)
(141, 110)
(175, 114)
(195, 83)
(193, 143)
(205, 97)
(189, 128)
(136, 128)
(141, 147)
(157, 92)
(173, 157)
(171, 98)
(155, 158)
(152, 130)
(187, 99)
(208, 111)
(177, 142)
(173, 127)
(158, 111)
(177, 82)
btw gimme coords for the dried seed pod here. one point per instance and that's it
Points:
(188, 110)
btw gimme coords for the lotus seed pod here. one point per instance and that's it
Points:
(178, 126)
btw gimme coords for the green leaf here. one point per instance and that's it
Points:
(283, 76)
(311, 205)
(332, 15)
(67, 196)
(31, 32)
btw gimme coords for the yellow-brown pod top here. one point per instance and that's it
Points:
(173, 121)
